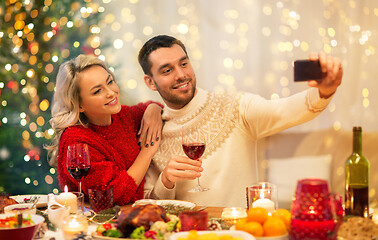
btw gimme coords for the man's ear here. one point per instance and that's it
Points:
(149, 82)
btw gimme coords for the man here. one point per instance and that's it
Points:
(231, 124)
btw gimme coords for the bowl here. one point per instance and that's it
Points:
(26, 208)
(283, 237)
(22, 233)
(233, 233)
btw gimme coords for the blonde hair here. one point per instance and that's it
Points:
(66, 101)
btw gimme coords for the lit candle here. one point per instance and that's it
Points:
(74, 225)
(264, 203)
(68, 199)
(233, 214)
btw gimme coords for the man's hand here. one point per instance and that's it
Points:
(180, 168)
(332, 74)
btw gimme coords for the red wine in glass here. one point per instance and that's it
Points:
(78, 161)
(194, 146)
(194, 150)
(78, 172)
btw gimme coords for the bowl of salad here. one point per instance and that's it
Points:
(9, 228)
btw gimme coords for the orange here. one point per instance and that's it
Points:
(274, 226)
(257, 214)
(253, 228)
(285, 216)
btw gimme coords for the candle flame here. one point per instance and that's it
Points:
(262, 195)
(65, 189)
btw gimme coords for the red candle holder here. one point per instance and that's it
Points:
(193, 220)
(314, 211)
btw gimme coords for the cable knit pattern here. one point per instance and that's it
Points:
(215, 118)
(233, 125)
(113, 149)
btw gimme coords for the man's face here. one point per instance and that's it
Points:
(172, 76)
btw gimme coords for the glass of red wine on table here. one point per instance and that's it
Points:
(194, 144)
(78, 161)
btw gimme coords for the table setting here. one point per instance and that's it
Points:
(316, 213)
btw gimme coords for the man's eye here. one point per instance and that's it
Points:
(184, 64)
(166, 70)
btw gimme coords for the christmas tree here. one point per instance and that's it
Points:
(35, 38)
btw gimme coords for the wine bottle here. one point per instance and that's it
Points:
(357, 169)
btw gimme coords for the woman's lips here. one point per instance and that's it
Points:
(113, 102)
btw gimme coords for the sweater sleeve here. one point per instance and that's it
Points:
(104, 170)
(154, 187)
(266, 117)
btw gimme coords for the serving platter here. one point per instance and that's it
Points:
(42, 202)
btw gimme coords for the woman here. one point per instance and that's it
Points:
(87, 109)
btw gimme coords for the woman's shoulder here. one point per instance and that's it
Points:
(77, 132)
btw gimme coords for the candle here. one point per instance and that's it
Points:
(68, 199)
(233, 214)
(74, 225)
(264, 203)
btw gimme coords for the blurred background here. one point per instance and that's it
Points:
(243, 45)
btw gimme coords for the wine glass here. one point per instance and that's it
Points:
(194, 145)
(78, 161)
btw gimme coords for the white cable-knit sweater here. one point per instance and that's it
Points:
(232, 125)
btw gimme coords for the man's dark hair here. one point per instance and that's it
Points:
(160, 41)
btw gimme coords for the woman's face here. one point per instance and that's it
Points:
(99, 95)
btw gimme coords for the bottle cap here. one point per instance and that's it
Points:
(357, 129)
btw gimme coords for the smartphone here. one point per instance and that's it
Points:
(305, 70)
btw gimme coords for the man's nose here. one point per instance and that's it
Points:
(180, 74)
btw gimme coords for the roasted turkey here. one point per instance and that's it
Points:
(6, 201)
(140, 215)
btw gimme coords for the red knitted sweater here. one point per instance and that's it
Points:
(113, 149)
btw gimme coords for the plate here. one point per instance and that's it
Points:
(283, 237)
(42, 202)
(97, 237)
(233, 233)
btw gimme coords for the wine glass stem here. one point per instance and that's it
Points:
(80, 186)
(199, 185)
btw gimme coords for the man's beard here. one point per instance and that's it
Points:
(174, 99)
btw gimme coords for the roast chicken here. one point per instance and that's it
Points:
(140, 215)
(6, 201)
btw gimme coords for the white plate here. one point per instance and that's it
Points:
(283, 237)
(235, 233)
(42, 202)
(187, 204)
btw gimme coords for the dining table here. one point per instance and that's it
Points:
(213, 212)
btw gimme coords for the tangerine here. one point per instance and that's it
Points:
(285, 216)
(274, 226)
(257, 214)
(253, 228)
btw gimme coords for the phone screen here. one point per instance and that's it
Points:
(305, 70)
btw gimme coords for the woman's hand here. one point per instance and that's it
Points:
(151, 125)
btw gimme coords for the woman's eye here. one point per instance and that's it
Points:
(111, 81)
(96, 92)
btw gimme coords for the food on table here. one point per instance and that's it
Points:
(284, 214)
(5, 201)
(141, 222)
(140, 215)
(11, 222)
(358, 228)
(193, 235)
(108, 230)
(259, 223)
